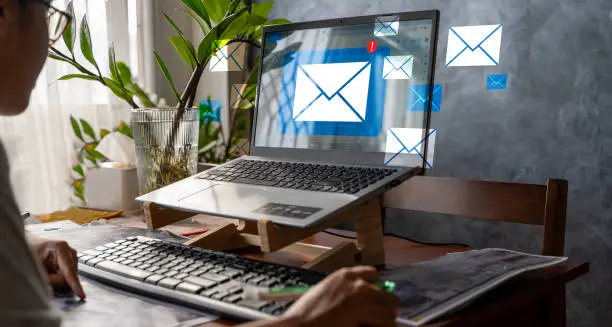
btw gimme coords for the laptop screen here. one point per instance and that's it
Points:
(357, 88)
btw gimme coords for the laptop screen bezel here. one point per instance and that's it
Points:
(342, 156)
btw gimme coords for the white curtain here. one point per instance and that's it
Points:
(40, 142)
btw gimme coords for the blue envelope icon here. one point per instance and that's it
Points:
(398, 67)
(210, 110)
(388, 25)
(406, 147)
(497, 81)
(332, 92)
(418, 97)
(227, 58)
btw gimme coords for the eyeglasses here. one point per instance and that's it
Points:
(58, 21)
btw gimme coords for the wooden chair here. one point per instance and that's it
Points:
(542, 205)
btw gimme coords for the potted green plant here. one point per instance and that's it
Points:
(167, 138)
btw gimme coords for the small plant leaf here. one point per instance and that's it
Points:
(103, 133)
(205, 48)
(80, 76)
(199, 9)
(69, 35)
(117, 89)
(185, 50)
(56, 57)
(124, 129)
(85, 37)
(167, 75)
(203, 25)
(216, 9)
(88, 130)
(112, 66)
(79, 170)
(262, 9)
(125, 74)
(76, 128)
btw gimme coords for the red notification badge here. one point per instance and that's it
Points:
(372, 46)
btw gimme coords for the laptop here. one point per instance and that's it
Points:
(342, 115)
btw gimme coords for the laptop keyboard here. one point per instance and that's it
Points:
(197, 277)
(298, 176)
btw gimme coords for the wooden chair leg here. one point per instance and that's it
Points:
(556, 308)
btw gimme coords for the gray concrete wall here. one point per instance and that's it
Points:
(554, 120)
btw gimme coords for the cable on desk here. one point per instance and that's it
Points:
(339, 235)
(404, 238)
(427, 243)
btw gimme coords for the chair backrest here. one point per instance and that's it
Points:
(543, 205)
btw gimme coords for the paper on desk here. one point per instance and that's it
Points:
(118, 148)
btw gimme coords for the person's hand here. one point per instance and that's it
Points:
(346, 298)
(60, 263)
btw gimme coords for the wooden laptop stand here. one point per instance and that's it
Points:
(269, 237)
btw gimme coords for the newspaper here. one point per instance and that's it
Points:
(433, 288)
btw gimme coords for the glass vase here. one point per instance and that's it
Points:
(166, 152)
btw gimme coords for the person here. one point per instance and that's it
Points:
(30, 266)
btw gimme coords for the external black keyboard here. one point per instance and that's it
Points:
(203, 279)
(299, 176)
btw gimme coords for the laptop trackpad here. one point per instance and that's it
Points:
(245, 200)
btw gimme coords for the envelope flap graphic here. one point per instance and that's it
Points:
(474, 36)
(398, 61)
(343, 73)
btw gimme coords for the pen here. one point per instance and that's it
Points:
(198, 232)
(293, 293)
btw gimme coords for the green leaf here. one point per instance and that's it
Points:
(167, 75)
(124, 129)
(233, 6)
(216, 9)
(199, 9)
(277, 21)
(262, 9)
(197, 19)
(205, 49)
(112, 66)
(69, 35)
(176, 28)
(80, 76)
(125, 74)
(88, 130)
(58, 58)
(103, 133)
(185, 50)
(79, 170)
(117, 89)
(140, 94)
(86, 42)
(76, 128)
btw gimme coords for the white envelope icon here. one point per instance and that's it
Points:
(227, 58)
(402, 141)
(398, 67)
(474, 45)
(333, 92)
(388, 25)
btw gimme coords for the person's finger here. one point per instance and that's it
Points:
(57, 281)
(68, 268)
(362, 272)
(374, 295)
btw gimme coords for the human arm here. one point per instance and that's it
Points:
(59, 261)
(345, 298)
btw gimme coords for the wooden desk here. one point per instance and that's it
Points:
(523, 301)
